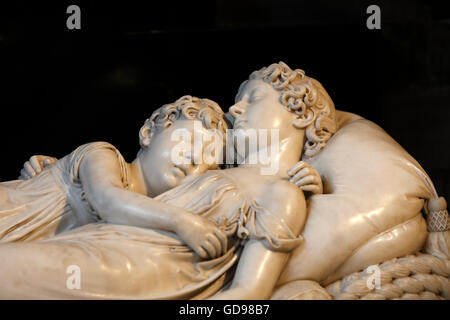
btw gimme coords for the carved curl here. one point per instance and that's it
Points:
(185, 108)
(307, 99)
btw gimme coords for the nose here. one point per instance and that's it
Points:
(237, 110)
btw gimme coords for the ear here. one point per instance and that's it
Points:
(144, 136)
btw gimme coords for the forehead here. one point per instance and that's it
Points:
(190, 126)
(252, 85)
(189, 130)
(186, 125)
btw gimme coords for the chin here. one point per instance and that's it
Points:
(172, 182)
(240, 135)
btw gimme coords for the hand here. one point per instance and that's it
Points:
(35, 165)
(202, 236)
(306, 177)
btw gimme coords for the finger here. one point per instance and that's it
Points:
(301, 174)
(201, 252)
(298, 166)
(24, 175)
(307, 180)
(223, 239)
(49, 160)
(216, 243)
(35, 163)
(315, 189)
(209, 248)
(29, 169)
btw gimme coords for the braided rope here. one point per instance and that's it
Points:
(420, 276)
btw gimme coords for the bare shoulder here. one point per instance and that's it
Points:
(101, 165)
(285, 200)
(285, 189)
(292, 194)
(100, 155)
(277, 195)
(272, 191)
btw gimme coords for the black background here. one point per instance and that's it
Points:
(62, 88)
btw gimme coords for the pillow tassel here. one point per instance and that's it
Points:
(438, 221)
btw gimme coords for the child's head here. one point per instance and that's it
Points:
(304, 101)
(160, 140)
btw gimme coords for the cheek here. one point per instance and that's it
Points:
(258, 122)
(266, 121)
(275, 123)
(163, 149)
(166, 156)
(160, 167)
(267, 114)
(256, 117)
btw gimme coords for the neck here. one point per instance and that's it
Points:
(137, 183)
(281, 160)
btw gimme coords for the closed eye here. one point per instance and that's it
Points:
(256, 95)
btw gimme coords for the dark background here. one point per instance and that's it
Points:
(62, 88)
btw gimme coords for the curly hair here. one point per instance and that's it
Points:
(306, 98)
(185, 108)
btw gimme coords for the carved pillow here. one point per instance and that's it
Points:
(371, 207)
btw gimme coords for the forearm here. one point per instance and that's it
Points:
(121, 206)
(257, 273)
(102, 183)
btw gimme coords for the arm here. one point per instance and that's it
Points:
(257, 273)
(100, 176)
(259, 268)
